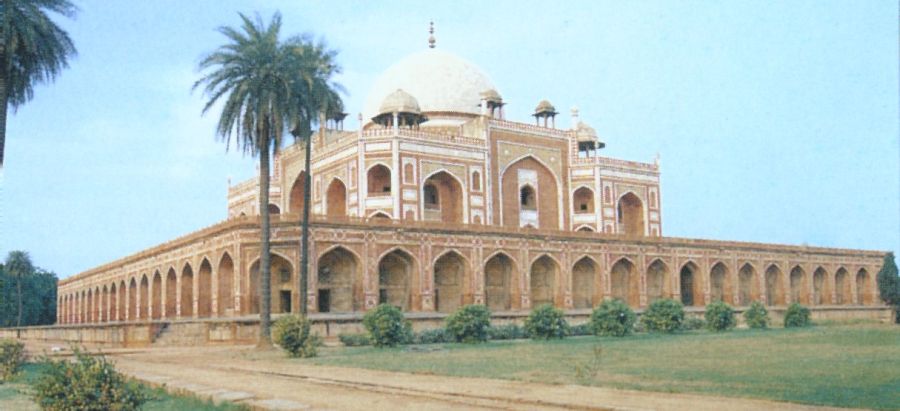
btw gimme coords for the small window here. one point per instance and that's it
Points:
(285, 275)
(476, 181)
(583, 207)
(607, 197)
(526, 198)
(430, 196)
(386, 189)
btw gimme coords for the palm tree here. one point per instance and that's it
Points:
(314, 95)
(33, 50)
(248, 76)
(18, 264)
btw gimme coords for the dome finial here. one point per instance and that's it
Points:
(431, 35)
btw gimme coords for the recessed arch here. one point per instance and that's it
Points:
(104, 304)
(842, 293)
(186, 302)
(720, 286)
(691, 287)
(379, 215)
(821, 288)
(658, 281)
(225, 280)
(134, 309)
(625, 282)
(630, 214)
(171, 293)
(378, 178)
(499, 269)
(774, 285)
(799, 285)
(450, 272)
(295, 197)
(543, 281)
(120, 301)
(336, 199)
(863, 287)
(395, 267)
(543, 184)
(204, 289)
(585, 228)
(584, 276)
(748, 285)
(144, 298)
(282, 285)
(274, 209)
(442, 197)
(338, 280)
(583, 200)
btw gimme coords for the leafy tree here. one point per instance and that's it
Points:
(37, 288)
(19, 266)
(889, 284)
(33, 50)
(248, 75)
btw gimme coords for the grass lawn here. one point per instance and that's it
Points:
(839, 365)
(15, 396)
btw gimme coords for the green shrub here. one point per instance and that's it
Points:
(506, 332)
(292, 333)
(469, 324)
(796, 316)
(613, 318)
(756, 316)
(546, 322)
(719, 316)
(664, 315)
(387, 327)
(88, 383)
(581, 329)
(355, 340)
(433, 336)
(12, 357)
(693, 323)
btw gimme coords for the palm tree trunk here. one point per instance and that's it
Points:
(304, 236)
(265, 278)
(4, 100)
(19, 294)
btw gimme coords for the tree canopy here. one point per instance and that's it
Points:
(38, 294)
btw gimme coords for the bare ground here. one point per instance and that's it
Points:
(266, 380)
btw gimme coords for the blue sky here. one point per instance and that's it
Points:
(776, 121)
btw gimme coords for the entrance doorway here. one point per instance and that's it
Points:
(285, 297)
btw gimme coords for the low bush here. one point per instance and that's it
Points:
(433, 336)
(581, 329)
(546, 322)
(88, 383)
(613, 318)
(292, 333)
(469, 324)
(506, 332)
(796, 316)
(756, 316)
(719, 316)
(12, 357)
(355, 340)
(664, 316)
(387, 327)
(693, 323)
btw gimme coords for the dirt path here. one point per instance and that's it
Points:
(267, 380)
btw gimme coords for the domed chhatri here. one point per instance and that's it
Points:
(441, 81)
(399, 108)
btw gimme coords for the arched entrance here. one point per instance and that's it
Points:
(720, 284)
(544, 272)
(625, 283)
(497, 282)
(821, 291)
(337, 276)
(630, 214)
(583, 201)
(187, 292)
(863, 287)
(379, 181)
(841, 287)
(120, 302)
(282, 285)
(691, 289)
(799, 289)
(204, 289)
(442, 198)
(657, 284)
(295, 199)
(157, 307)
(113, 303)
(225, 297)
(584, 273)
(133, 299)
(144, 298)
(529, 195)
(449, 282)
(394, 271)
(774, 286)
(336, 199)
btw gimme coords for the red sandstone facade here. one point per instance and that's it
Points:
(439, 201)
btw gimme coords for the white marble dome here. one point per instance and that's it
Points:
(439, 81)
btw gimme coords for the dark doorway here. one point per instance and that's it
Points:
(687, 286)
(324, 301)
(285, 300)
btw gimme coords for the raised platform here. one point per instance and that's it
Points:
(244, 330)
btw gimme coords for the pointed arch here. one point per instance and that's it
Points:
(171, 293)
(379, 215)
(630, 214)
(283, 289)
(583, 200)
(720, 286)
(774, 285)
(378, 178)
(799, 285)
(442, 197)
(395, 269)
(499, 269)
(225, 286)
(336, 199)
(295, 197)
(821, 287)
(863, 287)
(134, 308)
(748, 285)
(339, 288)
(144, 298)
(204, 289)
(529, 171)
(450, 273)
(625, 282)
(186, 301)
(543, 281)
(691, 287)
(842, 293)
(584, 277)
(121, 301)
(658, 281)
